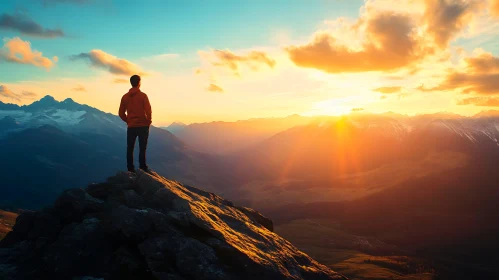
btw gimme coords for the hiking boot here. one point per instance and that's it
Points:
(146, 169)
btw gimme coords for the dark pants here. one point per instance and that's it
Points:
(132, 134)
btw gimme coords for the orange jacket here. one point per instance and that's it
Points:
(135, 108)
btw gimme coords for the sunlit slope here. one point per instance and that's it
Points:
(7, 221)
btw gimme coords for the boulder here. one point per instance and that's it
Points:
(73, 204)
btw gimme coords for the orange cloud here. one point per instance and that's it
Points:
(483, 63)
(79, 88)
(472, 83)
(16, 50)
(481, 76)
(444, 19)
(29, 94)
(7, 93)
(480, 101)
(424, 89)
(120, 81)
(494, 7)
(214, 88)
(390, 43)
(111, 63)
(388, 90)
(253, 60)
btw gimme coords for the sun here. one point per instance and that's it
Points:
(333, 107)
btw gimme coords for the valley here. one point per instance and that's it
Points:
(357, 257)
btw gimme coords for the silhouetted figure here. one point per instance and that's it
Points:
(135, 110)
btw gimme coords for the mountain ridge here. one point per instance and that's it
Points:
(148, 227)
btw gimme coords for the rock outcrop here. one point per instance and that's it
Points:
(144, 226)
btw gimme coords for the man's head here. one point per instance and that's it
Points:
(135, 80)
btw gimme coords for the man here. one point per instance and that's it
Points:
(135, 110)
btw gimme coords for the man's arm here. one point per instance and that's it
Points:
(147, 109)
(122, 109)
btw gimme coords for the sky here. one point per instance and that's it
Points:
(225, 60)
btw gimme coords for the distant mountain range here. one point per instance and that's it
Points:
(360, 143)
(357, 155)
(175, 127)
(222, 138)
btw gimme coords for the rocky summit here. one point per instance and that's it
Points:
(143, 226)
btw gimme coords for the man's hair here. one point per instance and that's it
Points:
(135, 80)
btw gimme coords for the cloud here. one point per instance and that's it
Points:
(214, 88)
(357, 109)
(27, 26)
(388, 36)
(7, 93)
(388, 90)
(79, 88)
(479, 76)
(390, 43)
(253, 60)
(121, 81)
(111, 63)
(482, 83)
(494, 7)
(18, 51)
(480, 101)
(444, 19)
(424, 89)
(483, 63)
(28, 94)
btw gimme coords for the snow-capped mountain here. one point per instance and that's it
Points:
(477, 129)
(66, 115)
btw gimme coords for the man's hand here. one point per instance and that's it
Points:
(122, 110)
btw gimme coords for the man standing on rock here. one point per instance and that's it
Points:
(135, 110)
